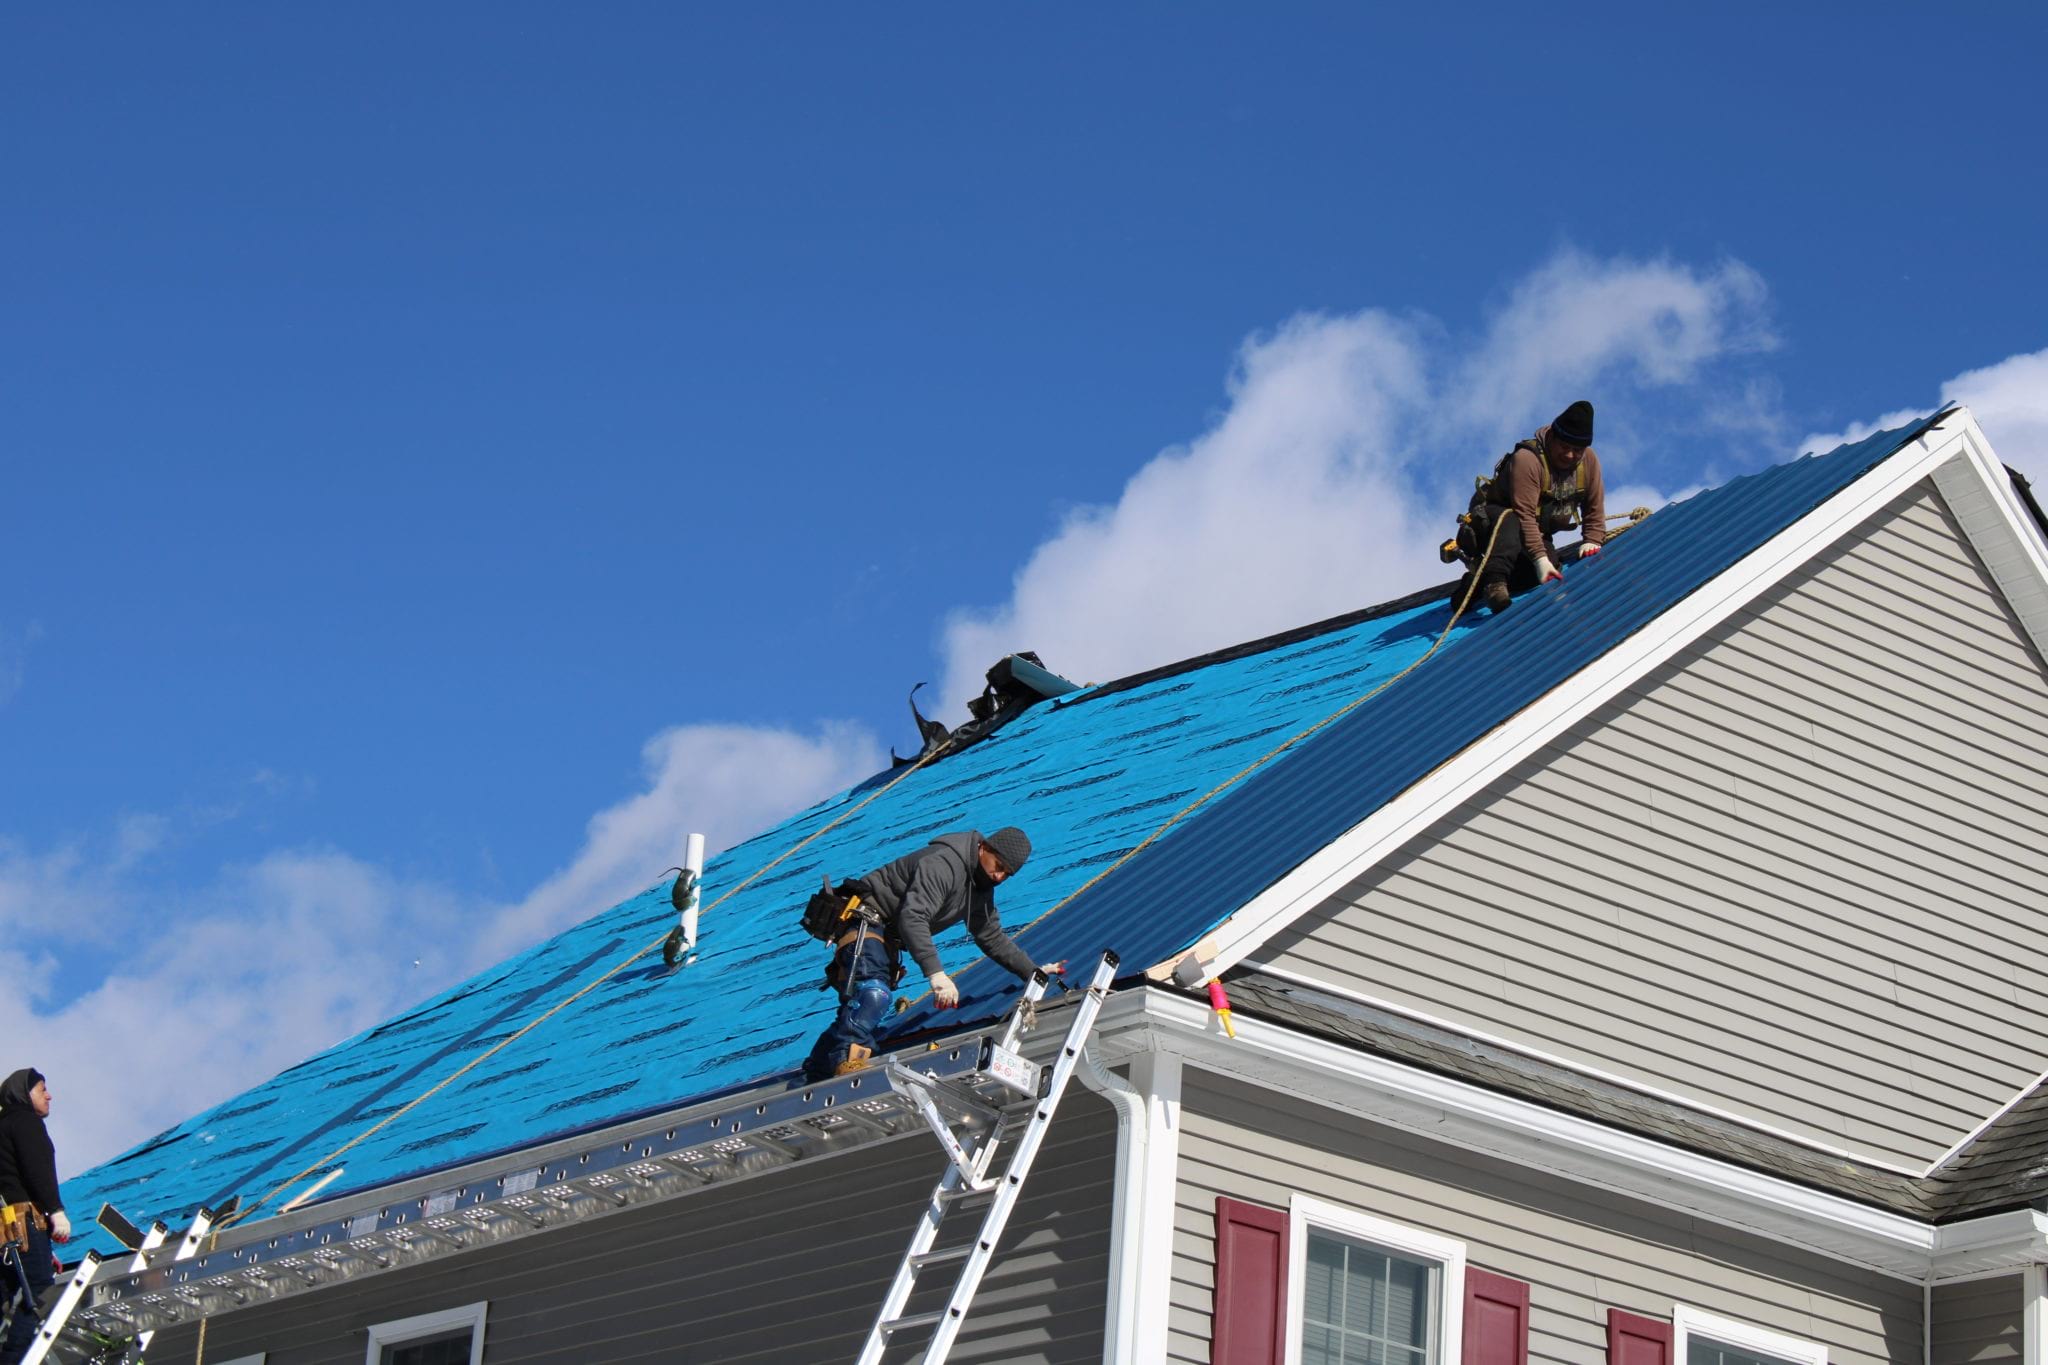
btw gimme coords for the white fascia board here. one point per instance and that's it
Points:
(2001, 530)
(1351, 854)
(1443, 1108)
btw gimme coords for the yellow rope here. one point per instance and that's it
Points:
(1472, 586)
(1179, 815)
(563, 1004)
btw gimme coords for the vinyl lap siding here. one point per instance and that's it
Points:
(788, 1267)
(1978, 1322)
(1582, 1251)
(1795, 873)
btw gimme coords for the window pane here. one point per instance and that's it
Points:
(449, 1349)
(1319, 1346)
(1365, 1305)
(1700, 1350)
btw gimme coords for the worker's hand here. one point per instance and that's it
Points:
(1052, 969)
(60, 1227)
(944, 991)
(1545, 570)
(1588, 548)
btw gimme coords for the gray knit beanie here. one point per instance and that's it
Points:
(1012, 846)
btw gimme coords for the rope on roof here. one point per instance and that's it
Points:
(928, 757)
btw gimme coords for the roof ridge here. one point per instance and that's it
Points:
(1278, 640)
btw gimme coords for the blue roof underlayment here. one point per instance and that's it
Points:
(1089, 776)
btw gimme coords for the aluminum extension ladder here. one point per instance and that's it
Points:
(51, 1333)
(971, 1152)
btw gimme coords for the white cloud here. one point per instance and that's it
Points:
(1347, 445)
(1579, 319)
(722, 781)
(2008, 399)
(198, 994)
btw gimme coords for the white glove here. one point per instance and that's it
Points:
(1545, 570)
(944, 991)
(60, 1227)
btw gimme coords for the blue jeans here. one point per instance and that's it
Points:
(36, 1261)
(870, 975)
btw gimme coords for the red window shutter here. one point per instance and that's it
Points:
(1496, 1319)
(1637, 1341)
(1250, 1326)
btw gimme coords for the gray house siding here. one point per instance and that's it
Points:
(786, 1267)
(1580, 1250)
(1795, 873)
(1977, 1322)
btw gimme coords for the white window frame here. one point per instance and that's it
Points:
(1685, 1321)
(1306, 1211)
(404, 1331)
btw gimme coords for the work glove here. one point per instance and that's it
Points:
(944, 992)
(1054, 968)
(60, 1227)
(1587, 549)
(1545, 570)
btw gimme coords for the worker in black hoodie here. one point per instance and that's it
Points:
(28, 1185)
(953, 878)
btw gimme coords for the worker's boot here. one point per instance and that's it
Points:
(856, 1059)
(1497, 597)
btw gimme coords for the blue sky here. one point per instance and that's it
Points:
(449, 451)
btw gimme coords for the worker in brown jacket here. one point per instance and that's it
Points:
(1548, 483)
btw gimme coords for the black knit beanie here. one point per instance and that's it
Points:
(1012, 846)
(1574, 426)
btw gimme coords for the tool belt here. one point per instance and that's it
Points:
(17, 1220)
(839, 971)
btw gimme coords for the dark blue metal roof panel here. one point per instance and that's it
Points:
(1090, 776)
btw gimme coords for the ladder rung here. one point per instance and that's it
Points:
(914, 1321)
(958, 1253)
(961, 1196)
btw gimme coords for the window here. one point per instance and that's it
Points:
(1703, 1339)
(1363, 1291)
(454, 1336)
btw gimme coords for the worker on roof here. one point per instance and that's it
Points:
(902, 904)
(1548, 483)
(33, 1216)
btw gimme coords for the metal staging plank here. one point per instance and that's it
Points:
(672, 1155)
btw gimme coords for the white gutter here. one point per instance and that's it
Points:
(1443, 1108)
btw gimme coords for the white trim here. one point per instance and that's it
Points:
(1685, 1321)
(1445, 1109)
(1347, 857)
(404, 1330)
(1306, 1211)
(1141, 1222)
(2001, 530)
(2034, 1316)
(1464, 1030)
(1994, 1116)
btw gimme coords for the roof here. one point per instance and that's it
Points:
(2004, 1167)
(1090, 775)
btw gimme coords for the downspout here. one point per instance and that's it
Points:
(1927, 1318)
(1126, 1236)
(1141, 1223)
(2034, 1313)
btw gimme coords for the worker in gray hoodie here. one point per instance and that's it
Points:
(903, 903)
(28, 1187)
